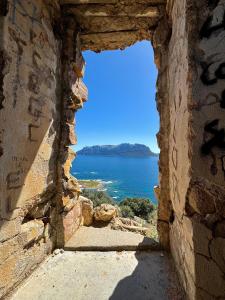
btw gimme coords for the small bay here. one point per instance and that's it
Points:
(122, 176)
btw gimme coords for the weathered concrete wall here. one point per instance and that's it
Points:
(196, 145)
(29, 125)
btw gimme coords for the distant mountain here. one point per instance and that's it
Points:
(136, 150)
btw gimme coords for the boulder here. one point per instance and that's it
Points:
(105, 212)
(73, 186)
(68, 203)
(87, 211)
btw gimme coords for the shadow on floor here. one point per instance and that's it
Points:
(154, 278)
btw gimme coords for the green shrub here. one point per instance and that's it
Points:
(98, 197)
(126, 211)
(129, 207)
(140, 207)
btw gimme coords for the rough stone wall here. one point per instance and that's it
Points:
(41, 87)
(74, 95)
(196, 145)
(160, 42)
(29, 126)
(114, 24)
(181, 239)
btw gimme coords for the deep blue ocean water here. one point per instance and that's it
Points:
(123, 176)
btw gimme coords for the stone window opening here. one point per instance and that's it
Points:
(140, 97)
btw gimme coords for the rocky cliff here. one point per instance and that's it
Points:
(118, 150)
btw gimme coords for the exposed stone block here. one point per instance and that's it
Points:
(220, 229)
(20, 264)
(71, 221)
(8, 248)
(68, 203)
(209, 277)
(164, 210)
(87, 211)
(112, 40)
(116, 24)
(197, 235)
(217, 251)
(201, 200)
(73, 185)
(132, 10)
(69, 156)
(80, 91)
(188, 263)
(69, 134)
(32, 231)
(40, 210)
(69, 116)
(9, 229)
(79, 65)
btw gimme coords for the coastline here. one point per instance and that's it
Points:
(120, 177)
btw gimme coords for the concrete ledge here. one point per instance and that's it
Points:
(104, 239)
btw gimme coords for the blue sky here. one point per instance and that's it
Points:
(121, 106)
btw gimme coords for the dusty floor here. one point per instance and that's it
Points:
(101, 276)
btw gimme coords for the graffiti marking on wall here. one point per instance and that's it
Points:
(35, 109)
(14, 180)
(20, 44)
(19, 7)
(174, 157)
(176, 196)
(217, 139)
(208, 28)
(33, 132)
(212, 76)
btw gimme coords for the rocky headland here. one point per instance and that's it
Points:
(125, 149)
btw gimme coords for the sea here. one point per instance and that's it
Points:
(122, 177)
